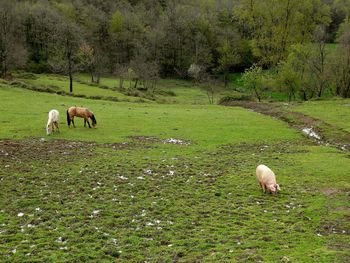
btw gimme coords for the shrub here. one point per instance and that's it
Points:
(166, 93)
(236, 97)
(26, 75)
(19, 84)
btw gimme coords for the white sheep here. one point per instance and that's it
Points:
(52, 122)
(267, 179)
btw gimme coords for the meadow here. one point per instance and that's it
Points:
(166, 182)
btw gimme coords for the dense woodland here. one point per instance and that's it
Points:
(300, 47)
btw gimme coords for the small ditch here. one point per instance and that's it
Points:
(313, 128)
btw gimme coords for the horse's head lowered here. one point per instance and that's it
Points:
(94, 122)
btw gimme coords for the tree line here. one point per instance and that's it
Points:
(281, 45)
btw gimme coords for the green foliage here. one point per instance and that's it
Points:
(237, 97)
(275, 25)
(228, 56)
(334, 112)
(67, 9)
(116, 25)
(253, 80)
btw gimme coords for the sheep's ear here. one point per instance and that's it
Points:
(278, 187)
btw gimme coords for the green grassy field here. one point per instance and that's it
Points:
(124, 192)
(168, 91)
(335, 112)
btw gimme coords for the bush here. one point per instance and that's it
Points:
(236, 97)
(166, 93)
(40, 67)
(19, 84)
(26, 75)
(103, 87)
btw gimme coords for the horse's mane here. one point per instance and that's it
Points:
(68, 118)
(94, 122)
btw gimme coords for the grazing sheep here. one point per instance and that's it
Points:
(267, 179)
(52, 122)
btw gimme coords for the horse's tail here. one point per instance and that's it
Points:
(94, 122)
(68, 118)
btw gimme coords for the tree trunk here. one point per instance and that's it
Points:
(121, 83)
(92, 76)
(98, 76)
(70, 82)
(225, 80)
(257, 94)
(135, 86)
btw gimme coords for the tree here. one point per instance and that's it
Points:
(145, 72)
(253, 80)
(228, 57)
(122, 73)
(210, 86)
(273, 26)
(341, 63)
(318, 61)
(195, 71)
(88, 59)
(40, 22)
(12, 51)
(66, 59)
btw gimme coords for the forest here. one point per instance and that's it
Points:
(298, 47)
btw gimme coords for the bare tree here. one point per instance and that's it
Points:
(318, 61)
(146, 73)
(66, 59)
(122, 73)
(12, 51)
(210, 85)
(341, 68)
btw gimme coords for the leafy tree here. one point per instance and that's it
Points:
(253, 80)
(40, 25)
(228, 57)
(116, 22)
(273, 26)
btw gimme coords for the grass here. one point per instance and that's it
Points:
(62, 83)
(170, 91)
(101, 195)
(116, 120)
(334, 112)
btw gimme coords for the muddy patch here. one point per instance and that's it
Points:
(152, 139)
(33, 148)
(331, 191)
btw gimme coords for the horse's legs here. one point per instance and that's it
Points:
(84, 122)
(73, 122)
(87, 120)
(56, 124)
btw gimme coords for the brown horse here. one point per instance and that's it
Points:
(82, 113)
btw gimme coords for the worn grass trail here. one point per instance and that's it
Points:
(122, 192)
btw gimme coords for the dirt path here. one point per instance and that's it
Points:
(316, 129)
